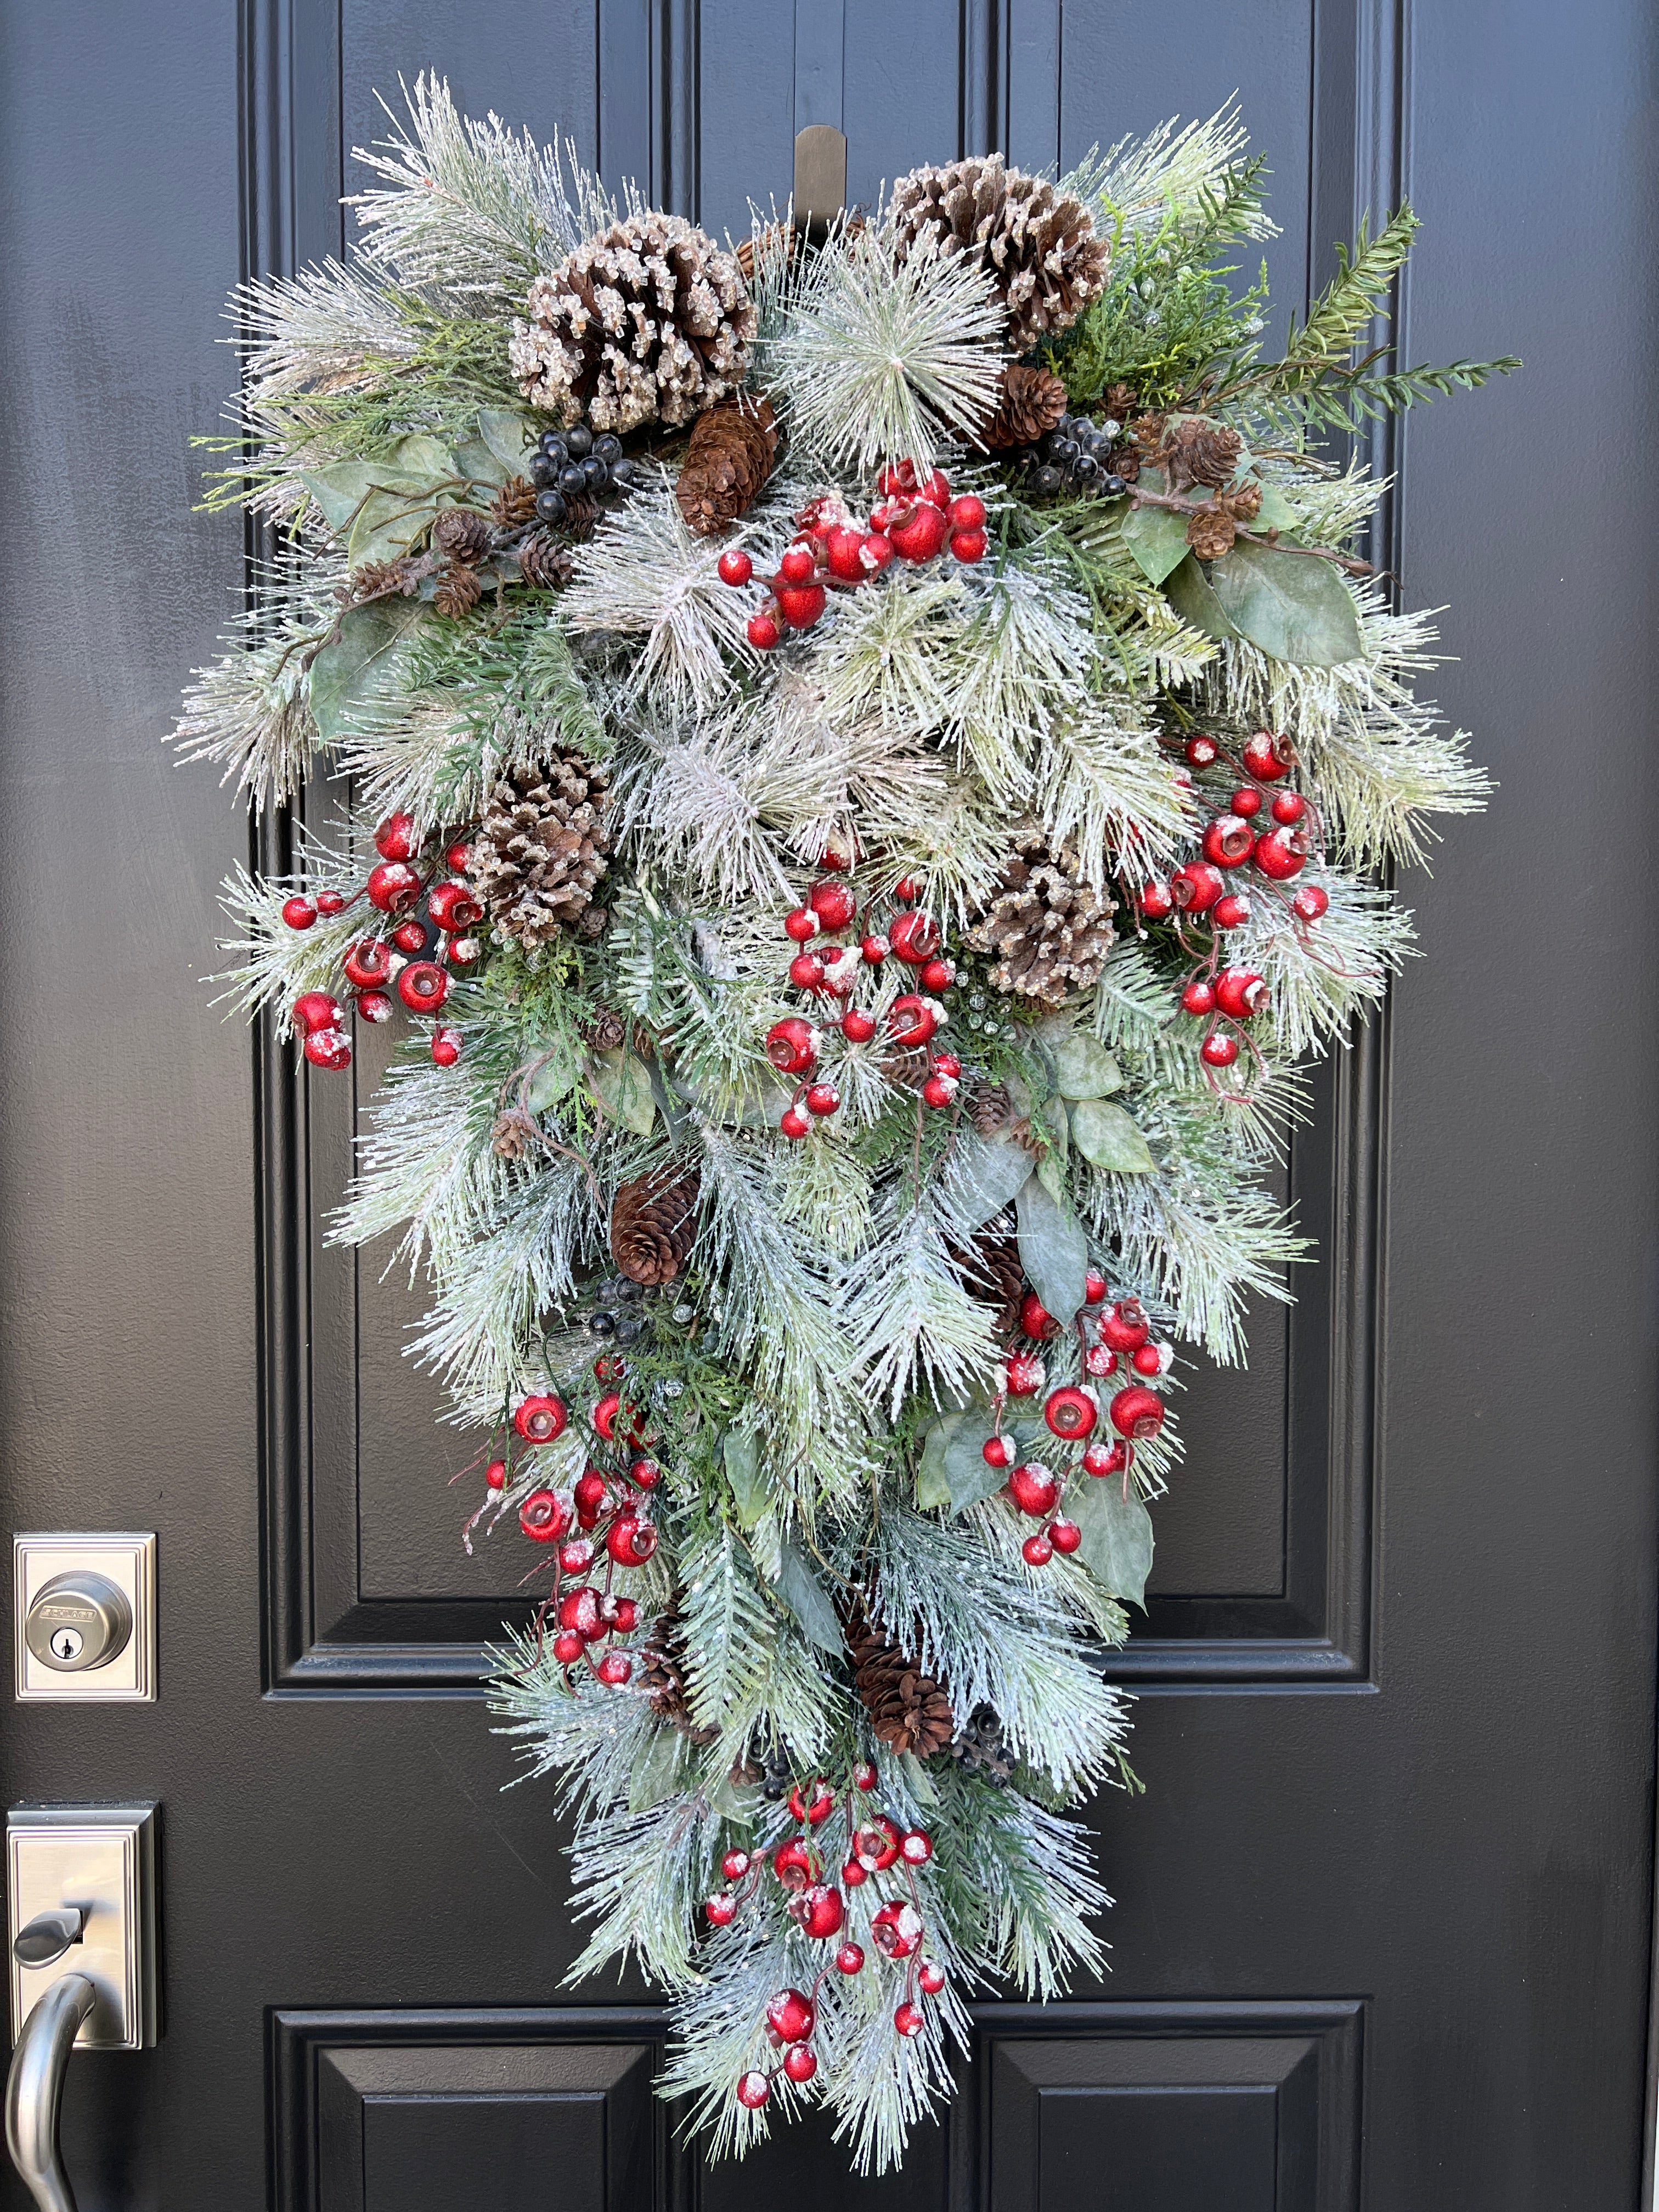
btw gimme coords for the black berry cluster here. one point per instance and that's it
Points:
(573, 464)
(1076, 456)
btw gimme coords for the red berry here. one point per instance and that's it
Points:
(822, 1912)
(422, 987)
(801, 604)
(753, 2091)
(897, 1928)
(631, 1541)
(917, 1848)
(1023, 1374)
(393, 887)
(576, 1557)
(722, 1909)
(763, 632)
(1036, 1551)
(1034, 1488)
(896, 478)
(735, 1865)
(1065, 1535)
(1202, 752)
(849, 1960)
(369, 964)
(544, 1516)
(1156, 900)
(997, 1451)
(495, 1475)
(877, 552)
(969, 545)
(644, 1474)
(1197, 886)
(316, 1009)
(330, 1048)
(1105, 1459)
(877, 1847)
(332, 902)
(579, 1611)
(798, 565)
(946, 1063)
(792, 1046)
(454, 908)
(844, 555)
(1098, 1361)
(395, 839)
(1231, 912)
(834, 905)
(590, 1495)
(1137, 1412)
(735, 565)
(608, 1412)
(1268, 757)
(938, 1091)
(1035, 1320)
(865, 1776)
(858, 1028)
(541, 1418)
(628, 1616)
(1199, 997)
(937, 975)
(299, 913)
(446, 1048)
(790, 2016)
(919, 533)
(1281, 854)
(853, 1875)
(614, 1669)
(1125, 1327)
(875, 949)
(1229, 842)
(968, 513)
(459, 857)
(410, 936)
(908, 889)
(931, 1977)
(806, 972)
(936, 490)
(912, 1020)
(567, 1647)
(794, 1123)
(1071, 1413)
(1240, 993)
(1219, 1049)
(1149, 1360)
(375, 1006)
(1310, 903)
(909, 2020)
(800, 2062)
(816, 1803)
(1246, 801)
(915, 937)
(821, 1098)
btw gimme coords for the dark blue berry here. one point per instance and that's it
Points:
(1048, 479)
(554, 447)
(550, 506)
(1112, 486)
(596, 472)
(543, 470)
(572, 480)
(580, 442)
(607, 448)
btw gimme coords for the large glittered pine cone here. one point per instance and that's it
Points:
(650, 322)
(1037, 244)
(729, 458)
(1049, 933)
(662, 1677)
(654, 1225)
(908, 1709)
(1031, 402)
(540, 850)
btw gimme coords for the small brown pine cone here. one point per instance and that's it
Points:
(1211, 531)
(993, 1109)
(730, 457)
(543, 562)
(581, 517)
(458, 590)
(1032, 402)
(377, 580)
(514, 505)
(1243, 503)
(462, 534)
(606, 1032)
(1118, 403)
(992, 1271)
(654, 1225)
(662, 1677)
(1125, 460)
(1193, 451)
(908, 1709)
(512, 1134)
(1049, 932)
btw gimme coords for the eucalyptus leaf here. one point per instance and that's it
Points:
(555, 1079)
(653, 1775)
(1188, 590)
(807, 1598)
(1051, 1174)
(740, 1803)
(1052, 1250)
(1294, 606)
(364, 667)
(479, 464)
(1108, 1138)
(1276, 512)
(622, 1084)
(741, 1450)
(1117, 1538)
(987, 1173)
(419, 458)
(932, 1483)
(509, 437)
(1157, 535)
(1083, 1067)
(966, 1473)
(388, 524)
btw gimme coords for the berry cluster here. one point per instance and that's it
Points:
(879, 1850)
(571, 465)
(912, 521)
(416, 956)
(1266, 827)
(1121, 1335)
(607, 1508)
(829, 966)
(1076, 455)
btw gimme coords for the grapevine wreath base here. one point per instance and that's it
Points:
(870, 764)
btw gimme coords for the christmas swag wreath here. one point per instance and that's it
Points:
(869, 760)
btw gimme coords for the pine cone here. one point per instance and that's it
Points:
(1118, 402)
(512, 1134)
(514, 504)
(648, 323)
(1124, 460)
(1033, 400)
(377, 580)
(458, 590)
(993, 1109)
(992, 1272)
(581, 517)
(662, 1676)
(907, 1709)
(654, 1225)
(540, 849)
(1193, 451)
(1037, 245)
(1211, 531)
(731, 455)
(606, 1032)
(1049, 933)
(462, 534)
(542, 561)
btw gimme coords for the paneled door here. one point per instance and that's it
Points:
(1384, 1934)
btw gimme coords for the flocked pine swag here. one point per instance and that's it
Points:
(869, 763)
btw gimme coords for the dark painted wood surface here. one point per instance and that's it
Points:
(1384, 1912)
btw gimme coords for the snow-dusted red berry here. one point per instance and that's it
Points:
(1231, 912)
(1311, 902)
(1034, 1488)
(875, 948)
(299, 913)
(1268, 757)
(540, 1418)
(1071, 1413)
(798, 565)
(722, 1911)
(915, 937)
(865, 1776)
(790, 2016)
(912, 1020)
(1023, 1374)
(1150, 1359)
(495, 1475)
(456, 908)
(1197, 886)
(316, 1009)
(1036, 1551)
(857, 1027)
(1229, 842)
(814, 1803)
(897, 1930)
(332, 902)
(800, 2062)
(735, 1865)
(762, 631)
(967, 512)
(938, 1091)
(409, 937)
(445, 1048)
(1036, 1319)
(1098, 1361)
(833, 903)
(1065, 1535)
(844, 551)
(1137, 1412)
(330, 1048)
(937, 975)
(1125, 1325)
(393, 887)
(806, 972)
(968, 545)
(801, 604)
(735, 565)
(917, 1847)
(753, 2090)
(1281, 854)
(877, 552)
(822, 1911)
(423, 985)
(1246, 801)
(1202, 752)
(849, 1960)
(614, 1669)
(821, 1098)
(644, 1474)
(395, 839)
(544, 1516)
(1156, 900)
(792, 1046)
(368, 964)
(576, 1555)
(1105, 1459)
(997, 1451)
(1240, 993)
(1199, 997)
(932, 1977)
(793, 1124)
(375, 1006)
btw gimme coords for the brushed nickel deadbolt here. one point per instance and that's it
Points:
(77, 1620)
(84, 1616)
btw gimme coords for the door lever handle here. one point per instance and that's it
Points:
(35, 2089)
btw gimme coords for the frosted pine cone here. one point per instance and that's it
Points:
(540, 850)
(649, 323)
(1049, 932)
(1036, 243)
